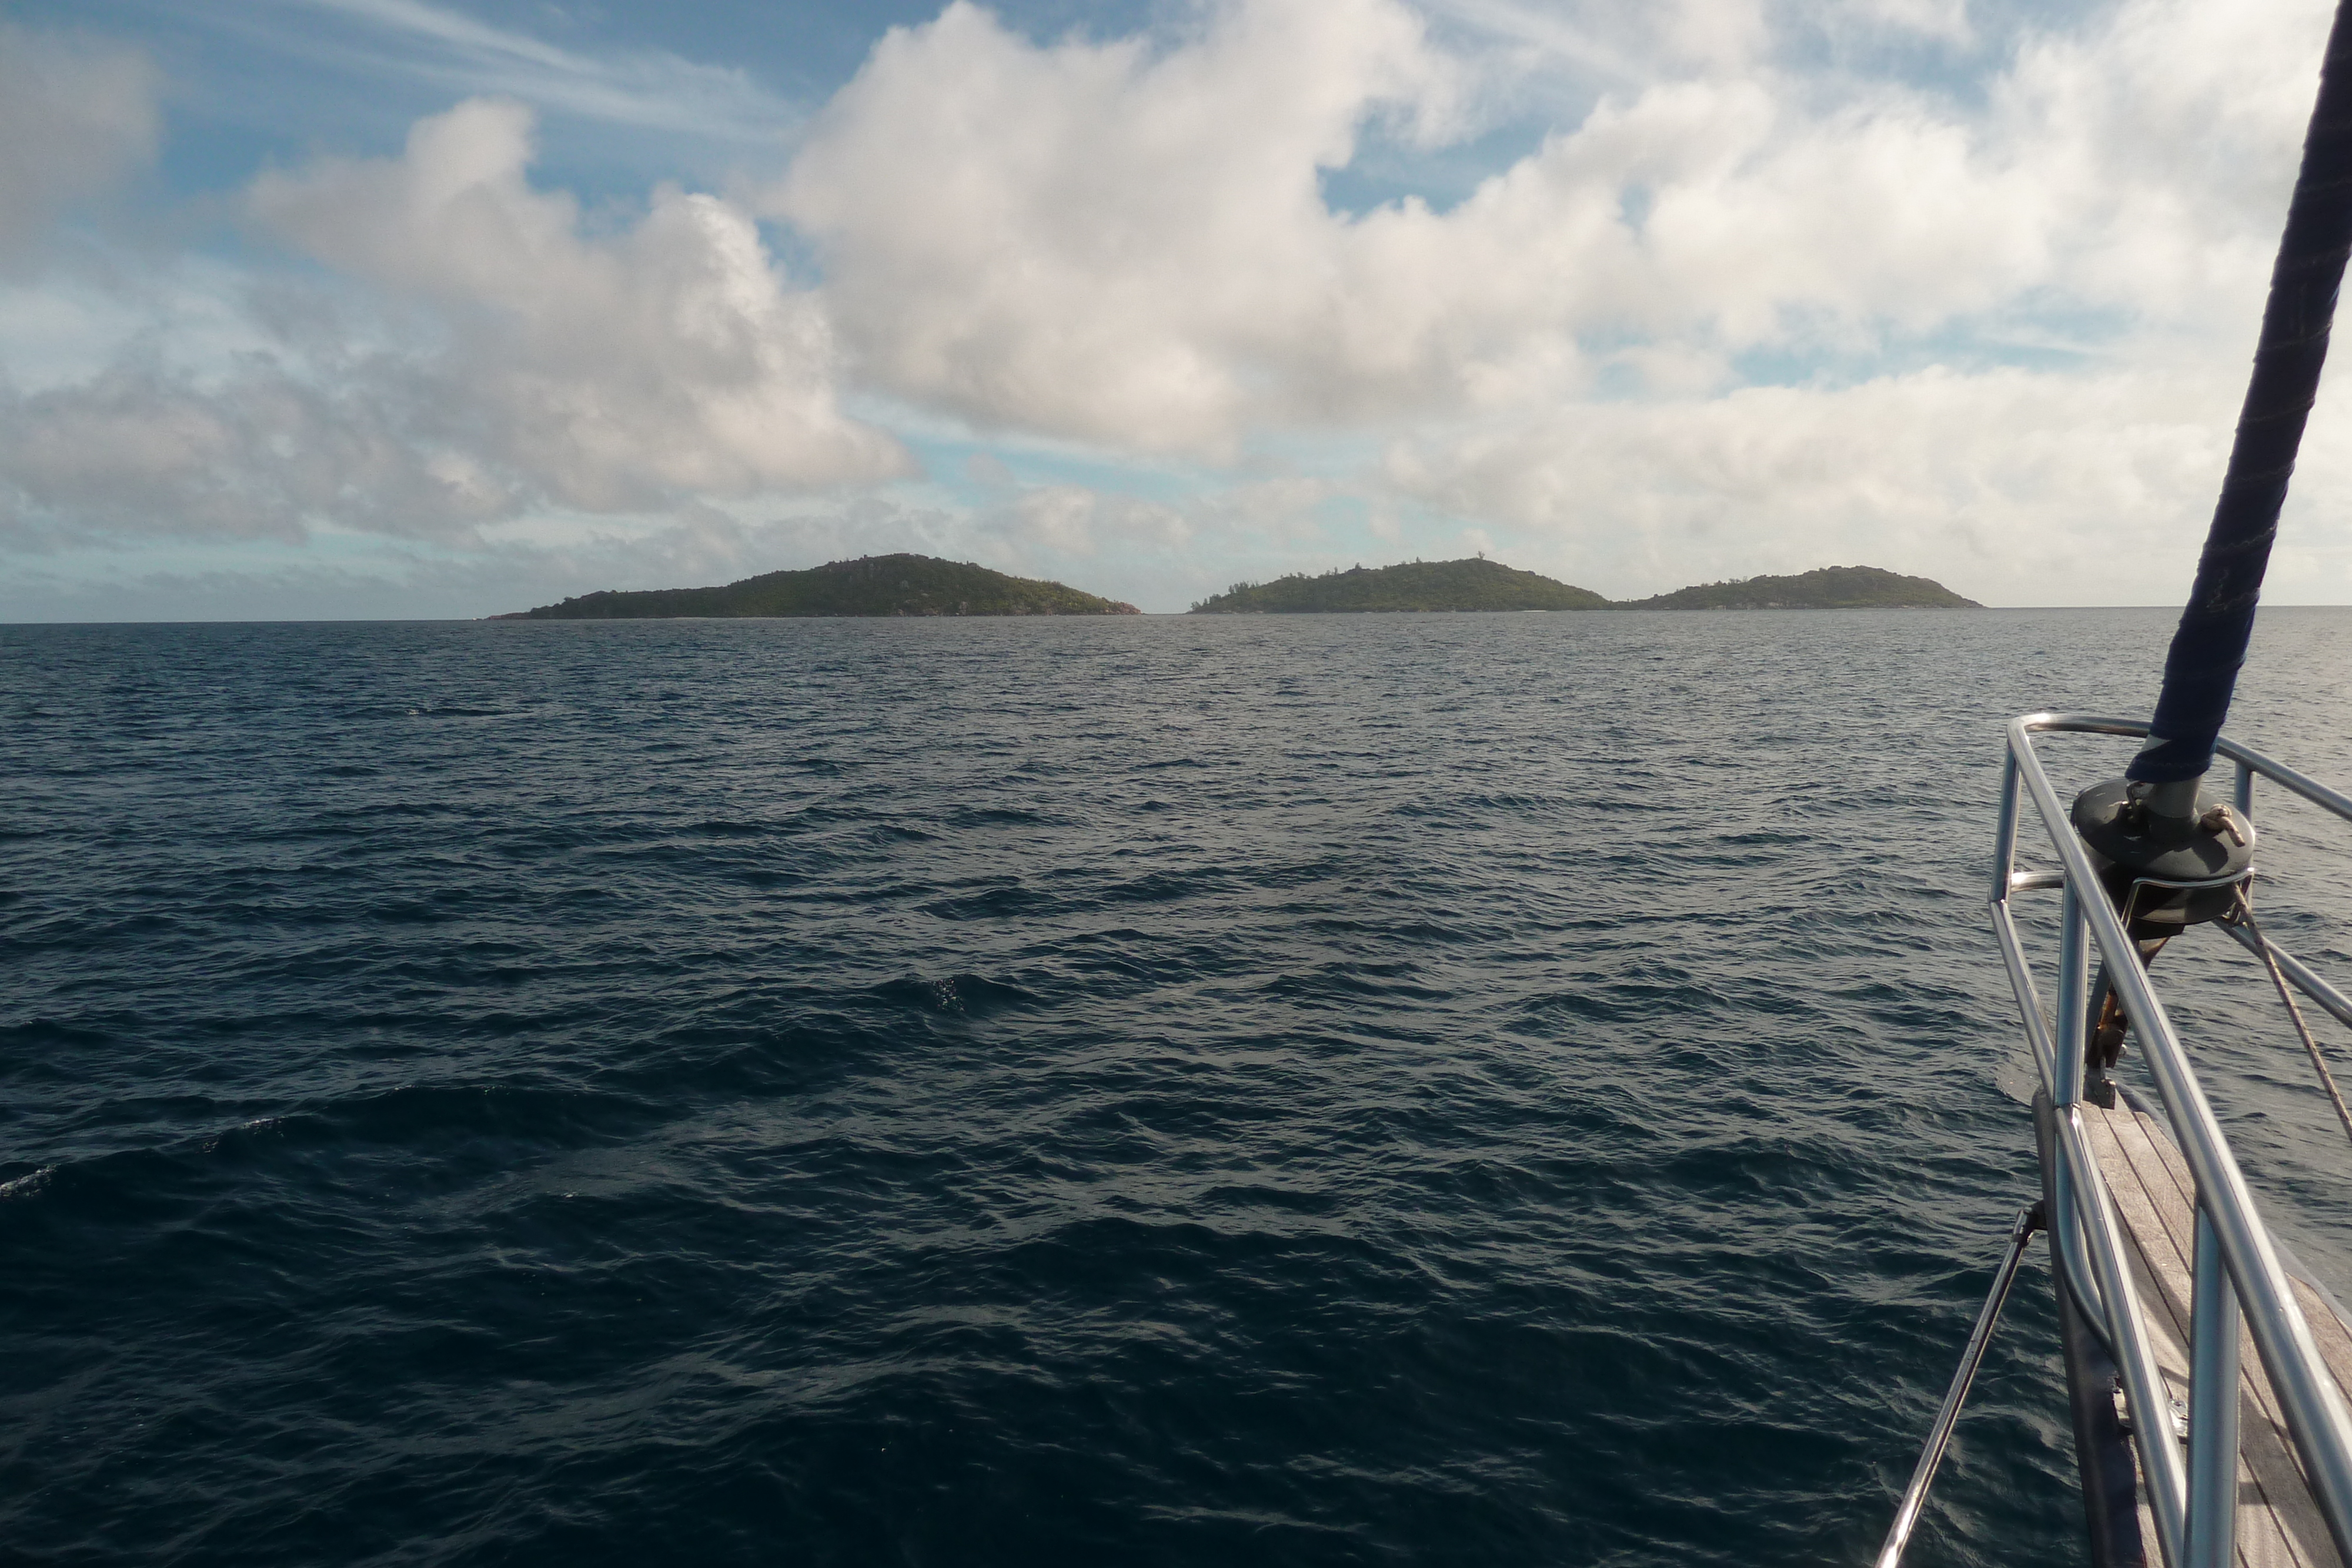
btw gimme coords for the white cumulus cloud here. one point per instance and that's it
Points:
(525, 363)
(671, 357)
(1094, 240)
(1133, 246)
(2018, 486)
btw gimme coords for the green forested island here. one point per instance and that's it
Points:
(923, 585)
(1483, 585)
(870, 585)
(1479, 584)
(1827, 588)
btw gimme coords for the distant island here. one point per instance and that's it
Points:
(1483, 585)
(1827, 588)
(1415, 585)
(870, 585)
(923, 585)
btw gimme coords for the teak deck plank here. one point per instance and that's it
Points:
(2279, 1525)
(2270, 1485)
(2334, 1340)
(2161, 1272)
(2279, 1496)
(2269, 1446)
(2155, 1218)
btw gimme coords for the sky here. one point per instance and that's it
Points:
(359, 309)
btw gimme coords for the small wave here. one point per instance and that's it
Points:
(49, 1031)
(995, 817)
(995, 904)
(375, 808)
(1343, 986)
(244, 1131)
(968, 996)
(424, 1116)
(717, 829)
(1164, 887)
(28, 1185)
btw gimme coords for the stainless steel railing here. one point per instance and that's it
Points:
(2193, 1496)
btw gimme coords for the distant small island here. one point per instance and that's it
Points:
(923, 585)
(1826, 588)
(1415, 585)
(1483, 585)
(870, 585)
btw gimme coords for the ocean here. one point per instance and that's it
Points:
(1458, 1089)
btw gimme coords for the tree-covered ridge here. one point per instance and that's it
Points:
(1478, 584)
(870, 585)
(1826, 588)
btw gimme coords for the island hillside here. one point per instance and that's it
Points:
(1828, 588)
(1483, 585)
(870, 585)
(1479, 584)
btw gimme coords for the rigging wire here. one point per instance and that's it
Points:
(2245, 916)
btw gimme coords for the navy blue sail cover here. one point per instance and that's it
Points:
(2200, 673)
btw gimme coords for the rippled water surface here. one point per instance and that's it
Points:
(1481, 1089)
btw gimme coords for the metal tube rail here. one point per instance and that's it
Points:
(2250, 761)
(2134, 1352)
(2065, 1239)
(2212, 1406)
(2110, 1307)
(2074, 999)
(1939, 1435)
(2004, 834)
(2329, 999)
(2314, 1410)
(2029, 996)
(2067, 1244)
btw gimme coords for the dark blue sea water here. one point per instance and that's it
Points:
(1494, 1090)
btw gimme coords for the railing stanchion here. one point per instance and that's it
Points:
(1939, 1435)
(2066, 1248)
(2004, 838)
(2144, 1387)
(2073, 998)
(2242, 797)
(2212, 1524)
